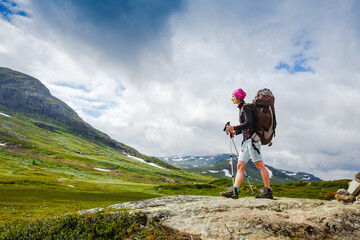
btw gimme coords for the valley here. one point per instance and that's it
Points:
(52, 162)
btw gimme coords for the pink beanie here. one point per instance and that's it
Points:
(239, 93)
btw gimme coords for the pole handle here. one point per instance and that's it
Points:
(227, 124)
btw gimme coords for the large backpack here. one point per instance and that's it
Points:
(264, 116)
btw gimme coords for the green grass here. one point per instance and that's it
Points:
(121, 225)
(324, 190)
(31, 203)
(188, 189)
(313, 190)
(47, 171)
(40, 154)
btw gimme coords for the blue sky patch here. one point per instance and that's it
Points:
(95, 111)
(91, 112)
(298, 63)
(8, 8)
(4, 11)
(73, 86)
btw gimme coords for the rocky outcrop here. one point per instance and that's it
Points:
(250, 218)
(352, 193)
(25, 94)
(22, 93)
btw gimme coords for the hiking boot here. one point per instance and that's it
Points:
(265, 193)
(230, 193)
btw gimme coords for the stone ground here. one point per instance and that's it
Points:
(203, 217)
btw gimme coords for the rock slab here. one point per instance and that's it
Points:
(250, 218)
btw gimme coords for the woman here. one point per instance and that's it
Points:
(250, 149)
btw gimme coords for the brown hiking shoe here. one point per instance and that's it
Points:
(230, 193)
(265, 193)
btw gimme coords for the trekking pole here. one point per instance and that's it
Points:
(247, 178)
(237, 152)
(231, 159)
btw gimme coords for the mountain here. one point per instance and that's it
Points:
(44, 142)
(25, 94)
(186, 162)
(219, 166)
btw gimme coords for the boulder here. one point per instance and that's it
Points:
(357, 199)
(343, 195)
(354, 187)
(342, 192)
(357, 177)
(345, 198)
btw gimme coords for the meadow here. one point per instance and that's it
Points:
(32, 203)
(48, 171)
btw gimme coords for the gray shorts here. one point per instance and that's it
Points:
(249, 153)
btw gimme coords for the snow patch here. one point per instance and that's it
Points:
(212, 171)
(3, 114)
(142, 160)
(178, 159)
(226, 172)
(102, 169)
(290, 173)
(270, 172)
(2, 144)
(71, 185)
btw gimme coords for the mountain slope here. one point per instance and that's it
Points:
(219, 166)
(44, 142)
(24, 94)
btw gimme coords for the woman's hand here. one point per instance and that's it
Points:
(230, 130)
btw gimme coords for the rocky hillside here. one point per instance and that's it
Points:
(22, 93)
(249, 218)
(25, 95)
(219, 166)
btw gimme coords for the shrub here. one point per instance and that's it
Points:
(330, 196)
(120, 225)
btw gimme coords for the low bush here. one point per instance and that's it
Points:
(120, 225)
(324, 190)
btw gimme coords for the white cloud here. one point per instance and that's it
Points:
(172, 95)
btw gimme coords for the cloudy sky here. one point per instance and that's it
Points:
(158, 75)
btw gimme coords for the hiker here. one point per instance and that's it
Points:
(250, 149)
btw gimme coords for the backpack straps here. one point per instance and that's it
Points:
(253, 145)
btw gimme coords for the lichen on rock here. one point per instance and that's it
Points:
(250, 218)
